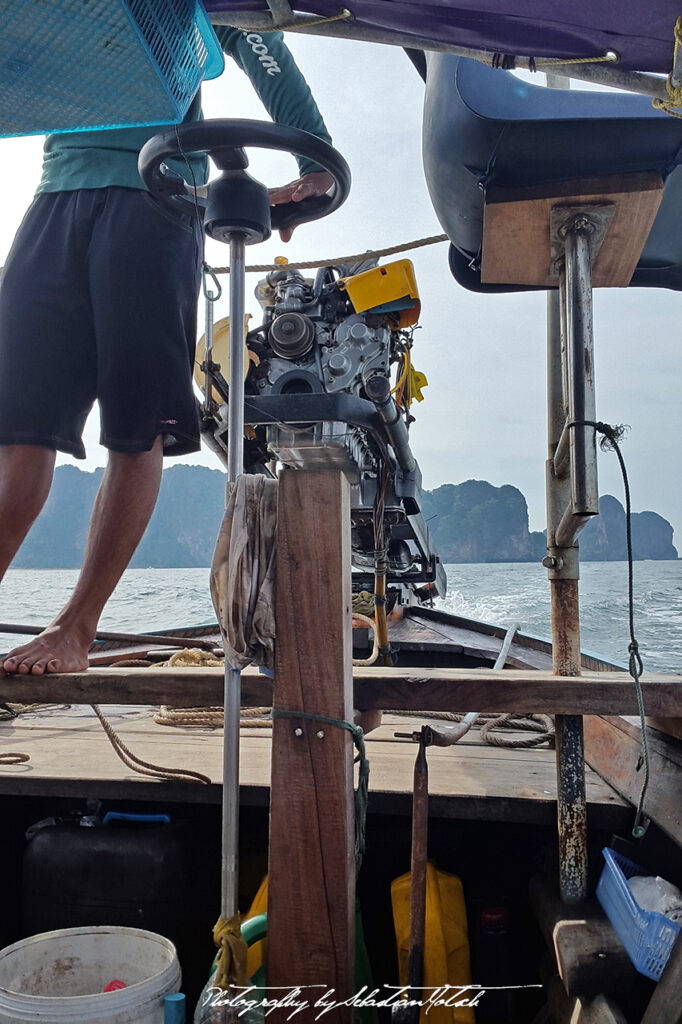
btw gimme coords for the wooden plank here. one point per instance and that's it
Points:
(71, 756)
(516, 228)
(670, 726)
(600, 1009)
(469, 641)
(663, 744)
(419, 689)
(665, 1005)
(311, 901)
(590, 957)
(613, 748)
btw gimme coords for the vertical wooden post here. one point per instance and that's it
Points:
(570, 751)
(311, 892)
(563, 567)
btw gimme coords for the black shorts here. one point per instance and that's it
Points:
(98, 300)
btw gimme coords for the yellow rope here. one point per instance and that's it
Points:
(233, 951)
(403, 374)
(363, 603)
(674, 91)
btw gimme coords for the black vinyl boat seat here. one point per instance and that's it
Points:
(485, 127)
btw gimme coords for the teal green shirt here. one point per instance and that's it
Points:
(97, 159)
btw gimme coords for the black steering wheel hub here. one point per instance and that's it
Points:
(235, 203)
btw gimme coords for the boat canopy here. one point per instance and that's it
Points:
(486, 128)
(642, 35)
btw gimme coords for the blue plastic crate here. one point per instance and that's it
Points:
(74, 65)
(648, 937)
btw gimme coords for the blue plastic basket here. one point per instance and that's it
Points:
(74, 65)
(647, 936)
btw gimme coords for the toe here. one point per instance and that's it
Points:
(38, 667)
(54, 666)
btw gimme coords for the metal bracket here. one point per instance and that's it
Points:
(562, 563)
(282, 12)
(591, 219)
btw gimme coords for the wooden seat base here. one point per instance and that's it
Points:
(516, 228)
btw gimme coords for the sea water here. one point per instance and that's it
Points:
(502, 594)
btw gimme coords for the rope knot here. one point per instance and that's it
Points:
(227, 936)
(674, 98)
(611, 435)
(636, 663)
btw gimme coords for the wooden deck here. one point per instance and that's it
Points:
(71, 756)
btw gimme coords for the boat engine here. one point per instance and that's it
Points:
(319, 395)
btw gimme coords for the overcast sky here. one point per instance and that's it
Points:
(484, 411)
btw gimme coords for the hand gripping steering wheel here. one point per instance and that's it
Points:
(235, 203)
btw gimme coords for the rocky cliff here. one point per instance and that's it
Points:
(470, 522)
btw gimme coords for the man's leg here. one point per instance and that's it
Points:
(25, 478)
(122, 510)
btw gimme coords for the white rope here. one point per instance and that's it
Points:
(391, 250)
(370, 254)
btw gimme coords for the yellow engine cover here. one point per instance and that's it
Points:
(388, 289)
(446, 948)
(221, 350)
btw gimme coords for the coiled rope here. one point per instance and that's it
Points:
(9, 757)
(489, 724)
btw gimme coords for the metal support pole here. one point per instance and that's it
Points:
(208, 354)
(563, 565)
(408, 1012)
(235, 466)
(235, 422)
(599, 74)
(570, 753)
(582, 442)
(420, 832)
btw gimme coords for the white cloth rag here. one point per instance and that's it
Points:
(243, 572)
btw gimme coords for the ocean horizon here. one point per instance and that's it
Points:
(500, 593)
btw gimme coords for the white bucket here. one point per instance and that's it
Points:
(59, 977)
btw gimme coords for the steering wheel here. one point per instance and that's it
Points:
(236, 202)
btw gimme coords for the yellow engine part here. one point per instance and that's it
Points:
(388, 289)
(446, 945)
(416, 380)
(221, 350)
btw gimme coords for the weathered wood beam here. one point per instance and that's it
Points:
(613, 747)
(422, 689)
(588, 954)
(665, 1005)
(582, 1009)
(311, 886)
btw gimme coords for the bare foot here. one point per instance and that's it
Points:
(56, 649)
